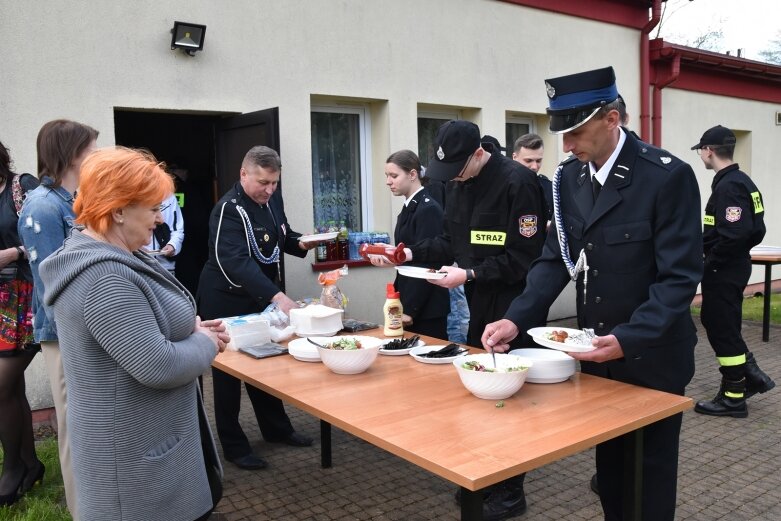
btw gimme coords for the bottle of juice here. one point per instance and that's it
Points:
(393, 312)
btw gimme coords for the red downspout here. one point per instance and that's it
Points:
(645, 69)
(659, 84)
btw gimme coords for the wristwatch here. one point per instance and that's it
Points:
(470, 275)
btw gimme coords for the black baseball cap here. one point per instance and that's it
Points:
(716, 136)
(574, 99)
(455, 141)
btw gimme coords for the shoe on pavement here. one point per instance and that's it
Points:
(506, 500)
(249, 462)
(594, 484)
(756, 379)
(295, 439)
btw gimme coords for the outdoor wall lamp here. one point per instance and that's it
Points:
(188, 37)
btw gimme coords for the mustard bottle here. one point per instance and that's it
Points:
(393, 312)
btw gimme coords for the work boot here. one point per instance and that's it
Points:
(756, 380)
(730, 400)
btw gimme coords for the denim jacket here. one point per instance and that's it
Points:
(44, 223)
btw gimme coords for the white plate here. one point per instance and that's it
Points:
(301, 349)
(316, 333)
(415, 353)
(318, 237)
(537, 334)
(399, 352)
(419, 273)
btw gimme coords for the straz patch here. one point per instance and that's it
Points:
(757, 199)
(488, 238)
(527, 225)
(733, 214)
(708, 219)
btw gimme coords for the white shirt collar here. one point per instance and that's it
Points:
(406, 202)
(605, 170)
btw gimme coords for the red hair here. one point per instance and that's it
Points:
(112, 178)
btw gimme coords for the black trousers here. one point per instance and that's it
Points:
(722, 310)
(660, 471)
(269, 412)
(435, 327)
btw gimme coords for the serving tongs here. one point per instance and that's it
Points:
(315, 343)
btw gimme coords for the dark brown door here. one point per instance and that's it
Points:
(235, 135)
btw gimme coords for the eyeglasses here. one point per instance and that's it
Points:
(461, 173)
(699, 150)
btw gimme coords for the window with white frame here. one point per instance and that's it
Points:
(428, 124)
(515, 127)
(340, 166)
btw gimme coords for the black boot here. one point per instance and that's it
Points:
(506, 500)
(756, 380)
(723, 405)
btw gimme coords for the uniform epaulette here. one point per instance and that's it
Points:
(658, 156)
(570, 159)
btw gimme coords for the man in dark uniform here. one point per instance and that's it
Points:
(248, 235)
(528, 150)
(733, 224)
(494, 225)
(626, 228)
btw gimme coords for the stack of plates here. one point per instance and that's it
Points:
(549, 366)
(303, 350)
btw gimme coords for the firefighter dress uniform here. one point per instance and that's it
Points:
(244, 271)
(634, 251)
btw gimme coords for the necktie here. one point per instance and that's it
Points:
(595, 187)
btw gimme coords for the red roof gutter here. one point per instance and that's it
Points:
(645, 68)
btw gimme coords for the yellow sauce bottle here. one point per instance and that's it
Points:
(393, 312)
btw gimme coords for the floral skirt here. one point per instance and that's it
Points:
(16, 317)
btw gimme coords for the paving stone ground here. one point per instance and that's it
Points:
(730, 469)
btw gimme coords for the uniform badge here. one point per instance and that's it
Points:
(527, 225)
(733, 213)
(550, 90)
(265, 237)
(665, 160)
(440, 153)
(233, 201)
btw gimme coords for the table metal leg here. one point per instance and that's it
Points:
(633, 475)
(325, 444)
(766, 305)
(471, 505)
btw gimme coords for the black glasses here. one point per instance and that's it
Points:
(461, 173)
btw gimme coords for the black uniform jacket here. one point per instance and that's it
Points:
(734, 219)
(494, 224)
(642, 244)
(420, 219)
(233, 281)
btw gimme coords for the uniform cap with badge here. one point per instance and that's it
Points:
(575, 99)
(715, 137)
(455, 141)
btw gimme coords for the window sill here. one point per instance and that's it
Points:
(332, 265)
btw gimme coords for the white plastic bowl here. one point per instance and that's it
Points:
(550, 366)
(353, 361)
(490, 385)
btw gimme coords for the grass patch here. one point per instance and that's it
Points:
(44, 502)
(753, 309)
